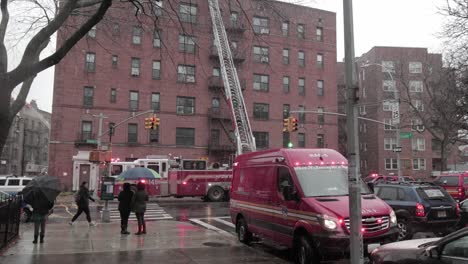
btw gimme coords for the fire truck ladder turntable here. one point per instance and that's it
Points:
(244, 137)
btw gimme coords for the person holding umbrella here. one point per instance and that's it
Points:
(139, 207)
(41, 193)
(82, 201)
(125, 201)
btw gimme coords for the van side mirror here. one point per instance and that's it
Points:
(371, 186)
(432, 252)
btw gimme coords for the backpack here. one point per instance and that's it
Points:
(77, 197)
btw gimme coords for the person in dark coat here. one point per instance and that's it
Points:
(82, 202)
(125, 207)
(139, 207)
(41, 208)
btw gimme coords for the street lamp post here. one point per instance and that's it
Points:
(395, 112)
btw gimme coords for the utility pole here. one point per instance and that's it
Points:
(356, 247)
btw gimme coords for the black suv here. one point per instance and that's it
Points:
(420, 207)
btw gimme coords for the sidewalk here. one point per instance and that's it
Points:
(166, 242)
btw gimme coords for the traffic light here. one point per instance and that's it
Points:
(157, 122)
(286, 125)
(149, 123)
(293, 122)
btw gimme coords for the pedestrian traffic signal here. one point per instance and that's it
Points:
(293, 124)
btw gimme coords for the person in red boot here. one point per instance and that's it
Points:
(139, 207)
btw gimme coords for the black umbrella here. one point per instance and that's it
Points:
(42, 186)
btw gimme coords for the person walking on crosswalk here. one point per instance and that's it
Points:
(139, 207)
(125, 204)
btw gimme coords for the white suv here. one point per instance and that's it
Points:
(13, 184)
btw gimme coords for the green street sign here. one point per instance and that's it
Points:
(404, 135)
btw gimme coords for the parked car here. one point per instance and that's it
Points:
(379, 178)
(452, 249)
(420, 207)
(299, 198)
(13, 184)
(456, 183)
(463, 214)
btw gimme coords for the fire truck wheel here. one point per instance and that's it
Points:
(216, 194)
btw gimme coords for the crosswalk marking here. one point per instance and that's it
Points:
(219, 220)
(153, 212)
(224, 227)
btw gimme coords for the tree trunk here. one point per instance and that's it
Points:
(443, 159)
(5, 117)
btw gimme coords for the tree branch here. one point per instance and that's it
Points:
(3, 28)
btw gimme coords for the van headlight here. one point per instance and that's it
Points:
(329, 224)
(393, 219)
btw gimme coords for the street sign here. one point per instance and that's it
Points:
(397, 149)
(404, 135)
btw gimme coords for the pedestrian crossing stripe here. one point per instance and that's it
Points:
(153, 212)
(222, 220)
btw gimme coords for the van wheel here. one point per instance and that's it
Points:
(305, 252)
(216, 194)
(403, 229)
(243, 233)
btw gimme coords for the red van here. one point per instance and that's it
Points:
(455, 183)
(299, 198)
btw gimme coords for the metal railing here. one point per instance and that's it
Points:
(10, 210)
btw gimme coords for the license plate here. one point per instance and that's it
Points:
(441, 214)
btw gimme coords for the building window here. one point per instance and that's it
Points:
(188, 13)
(419, 164)
(185, 136)
(302, 86)
(418, 104)
(391, 164)
(215, 137)
(158, 8)
(286, 56)
(320, 88)
(88, 96)
(415, 67)
(186, 73)
(416, 86)
(405, 164)
(388, 124)
(234, 19)
(363, 128)
(390, 143)
(261, 82)
(86, 130)
(418, 144)
(157, 39)
(187, 44)
(388, 105)
(156, 70)
(301, 114)
(92, 32)
(115, 60)
(320, 62)
(134, 100)
(216, 72)
(388, 85)
(320, 140)
(285, 29)
(319, 34)
(135, 67)
(185, 105)
(362, 110)
(301, 57)
(136, 35)
(286, 139)
(301, 140)
(154, 135)
(286, 84)
(90, 62)
(286, 109)
(155, 102)
(320, 116)
(261, 25)
(132, 133)
(261, 140)
(261, 111)
(261, 54)
(417, 125)
(113, 95)
(388, 66)
(116, 29)
(301, 31)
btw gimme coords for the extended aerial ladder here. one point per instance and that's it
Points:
(243, 132)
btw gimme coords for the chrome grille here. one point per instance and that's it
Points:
(372, 224)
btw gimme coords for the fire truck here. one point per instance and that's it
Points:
(179, 178)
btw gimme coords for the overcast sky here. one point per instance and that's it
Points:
(407, 23)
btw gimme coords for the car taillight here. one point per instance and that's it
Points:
(461, 193)
(457, 208)
(420, 210)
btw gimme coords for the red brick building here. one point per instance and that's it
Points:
(285, 56)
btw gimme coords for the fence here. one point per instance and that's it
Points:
(10, 210)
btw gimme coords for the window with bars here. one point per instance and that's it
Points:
(261, 54)
(137, 32)
(320, 61)
(187, 44)
(113, 95)
(134, 100)
(286, 82)
(135, 71)
(261, 139)
(132, 135)
(185, 105)
(285, 29)
(188, 13)
(301, 84)
(285, 56)
(155, 102)
(156, 72)
(90, 62)
(88, 96)
(320, 88)
(301, 31)
(286, 109)
(186, 73)
(301, 58)
(261, 82)
(261, 111)
(261, 25)
(157, 38)
(185, 136)
(391, 164)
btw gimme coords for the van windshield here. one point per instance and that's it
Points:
(325, 181)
